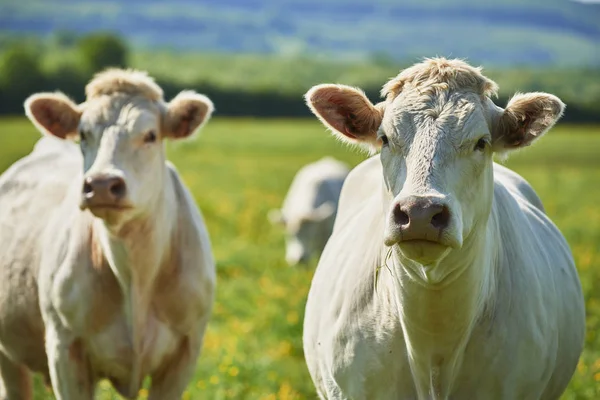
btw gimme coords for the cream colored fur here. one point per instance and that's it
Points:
(90, 294)
(131, 82)
(492, 308)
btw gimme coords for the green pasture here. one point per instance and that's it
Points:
(240, 168)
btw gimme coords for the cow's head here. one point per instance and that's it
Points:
(437, 130)
(121, 128)
(306, 233)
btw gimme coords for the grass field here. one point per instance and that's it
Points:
(239, 169)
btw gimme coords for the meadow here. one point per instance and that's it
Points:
(238, 169)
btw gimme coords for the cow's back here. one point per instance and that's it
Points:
(30, 190)
(313, 185)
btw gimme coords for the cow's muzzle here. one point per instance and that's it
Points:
(104, 191)
(420, 218)
(421, 226)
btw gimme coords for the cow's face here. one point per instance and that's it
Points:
(436, 146)
(437, 172)
(121, 139)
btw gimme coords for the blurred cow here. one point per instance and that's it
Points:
(309, 208)
(443, 278)
(106, 268)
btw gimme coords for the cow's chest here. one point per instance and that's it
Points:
(113, 355)
(98, 312)
(385, 370)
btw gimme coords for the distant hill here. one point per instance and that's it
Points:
(498, 33)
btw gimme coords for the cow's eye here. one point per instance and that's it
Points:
(480, 145)
(150, 137)
(83, 135)
(384, 140)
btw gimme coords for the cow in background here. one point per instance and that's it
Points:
(310, 207)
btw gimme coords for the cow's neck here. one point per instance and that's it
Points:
(437, 318)
(135, 252)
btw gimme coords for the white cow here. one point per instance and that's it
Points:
(106, 268)
(309, 208)
(443, 277)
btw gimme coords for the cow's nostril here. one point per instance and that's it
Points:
(117, 188)
(441, 219)
(400, 217)
(87, 188)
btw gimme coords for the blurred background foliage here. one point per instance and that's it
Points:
(257, 58)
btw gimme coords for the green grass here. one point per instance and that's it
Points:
(238, 169)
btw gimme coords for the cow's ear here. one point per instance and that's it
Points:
(347, 112)
(526, 118)
(53, 114)
(186, 114)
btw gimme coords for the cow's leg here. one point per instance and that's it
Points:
(15, 380)
(171, 380)
(69, 367)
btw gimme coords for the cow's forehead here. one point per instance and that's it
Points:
(121, 109)
(447, 114)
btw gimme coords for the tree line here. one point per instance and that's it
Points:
(24, 70)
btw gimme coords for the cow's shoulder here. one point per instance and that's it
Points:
(362, 183)
(349, 311)
(187, 273)
(529, 246)
(190, 222)
(517, 185)
(47, 165)
(353, 254)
